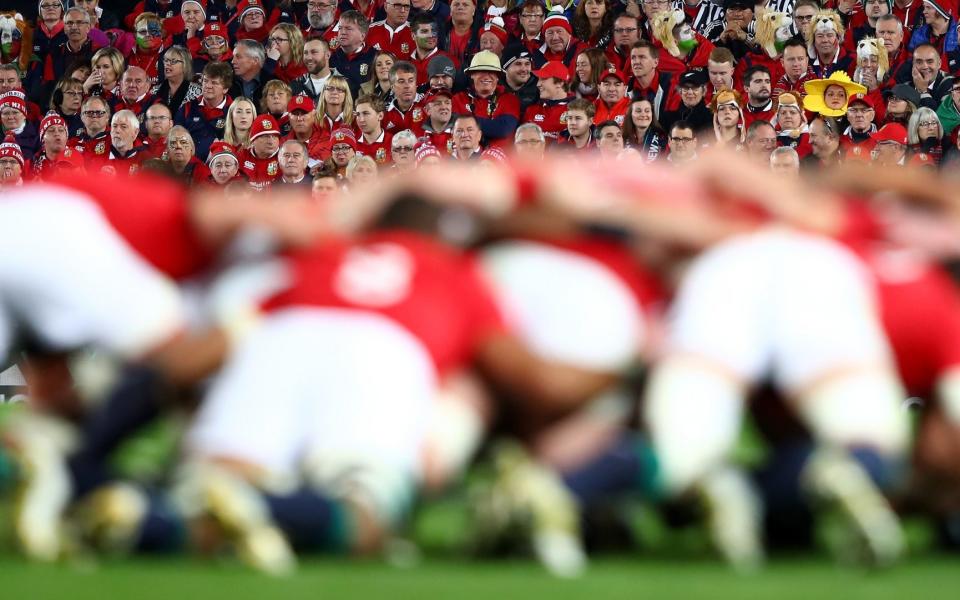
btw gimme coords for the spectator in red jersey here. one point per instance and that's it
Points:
(626, 33)
(125, 155)
(393, 34)
(335, 108)
(405, 111)
(497, 110)
(254, 22)
(589, 66)
(13, 116)
(890, 149)
(459, 35)
(426, 35)
(791, 123)
(11, 164)
(285, 47)
(158, 121)
(181, 154)
(259, 161)
(759, 87)
(53, 140)
(550, 113)
(720, 68)
(304, 128)
(96, 116)
(106, 71)
(216, 45)
(150, 43)
(223, 163)
(613, 103)
(373, 141)
(437, 130)
(532, 15)
(135, 93)
(858, 137)
(559, 43)
(796, 67)
(77, 47)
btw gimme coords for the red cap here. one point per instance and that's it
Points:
(247, 6)
(553, 68)
(613, 71)
(264, 125)
(437, 93)
(10, 149)
(71, 156)
(49, 121)
(496, 27)
(344, 135)
(891, 132)
(12, 100)
(304, 103)
(556, 18)
(220, 148)
(865, 98)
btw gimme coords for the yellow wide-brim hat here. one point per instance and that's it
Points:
(813, 101)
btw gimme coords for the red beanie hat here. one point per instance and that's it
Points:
(10, 149)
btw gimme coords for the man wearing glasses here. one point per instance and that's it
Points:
(78, 47)
(319, 18)
(393, 34)
(683, 144)
(49, 32)
(626, 33)
(10, 82)
(158, 123)
(532, 15)
(95, 115)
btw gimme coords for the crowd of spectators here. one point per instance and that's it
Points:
(288, 92)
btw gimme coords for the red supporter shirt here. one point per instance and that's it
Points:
(395, 120)
(378, 150)
(550, 115)
(432, 290)
(398, 42)
(260, 171)
(157, 226)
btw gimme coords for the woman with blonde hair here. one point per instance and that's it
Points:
(240, 118)
(361, 170)
(106, 70)
(285, 45)
(335, 108)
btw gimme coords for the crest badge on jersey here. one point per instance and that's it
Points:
(405, 48)
(364, 69)
(381, 155)
(272, 168)
(100, 148)
(220, 124)
(417, 115)
(563, 117)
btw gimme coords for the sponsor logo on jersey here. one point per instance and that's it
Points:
(539, 118)
(248, 165)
